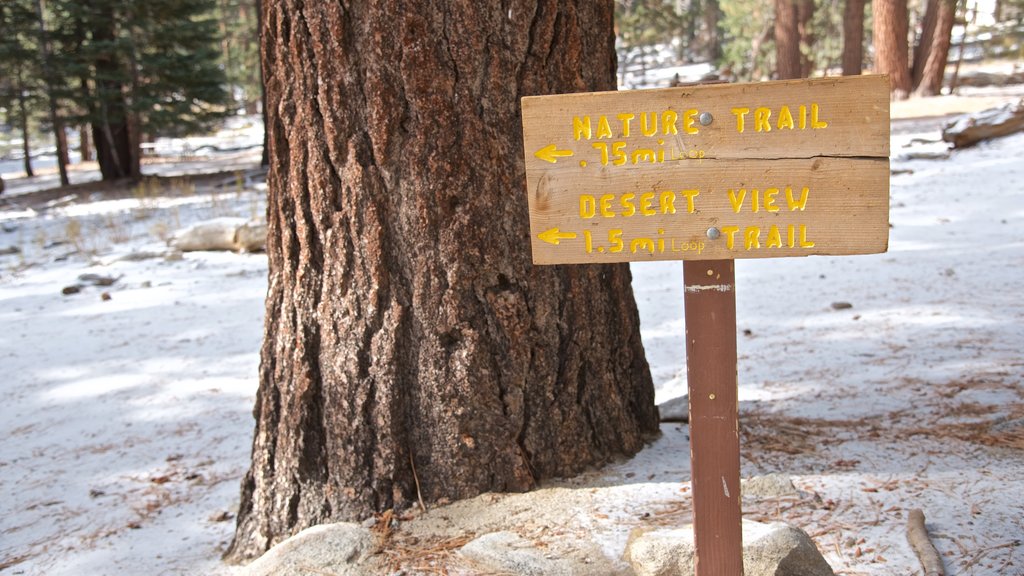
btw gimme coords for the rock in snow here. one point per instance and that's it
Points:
(338, 549)
(675, 410)
(775, 549)
(235, 234)
(768, 486)
(510, 553)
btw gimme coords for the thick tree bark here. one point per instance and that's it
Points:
(892, 56)
(932, 52)
(853, 38)
(787, 39)
(410, 345)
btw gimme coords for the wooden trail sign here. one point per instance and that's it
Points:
(707, 174)
(711, 172)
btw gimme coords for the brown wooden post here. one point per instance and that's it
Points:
(710, 301)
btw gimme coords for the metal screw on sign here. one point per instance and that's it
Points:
(714, 233)
(705, 118)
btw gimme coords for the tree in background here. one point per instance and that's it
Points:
(787, 39)
(131, 68)
(891, 27)
(853, 37)
(932, 50)
(748, 39)
(240, 57)
(411, 350)
(20, 89)
(794, 38)
(692, 25)
(49, 78)
(805, 28)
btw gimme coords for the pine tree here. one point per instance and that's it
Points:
(140, 67)
(239, 23)
(20, 90)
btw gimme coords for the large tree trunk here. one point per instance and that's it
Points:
(410, 346)
(787, 40)
(111, 129)
(114, 150)
(932, 52)
(853, 38)
(891, 47)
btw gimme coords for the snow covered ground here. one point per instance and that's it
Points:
(879, 383)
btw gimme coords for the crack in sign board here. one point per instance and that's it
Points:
(725, 171)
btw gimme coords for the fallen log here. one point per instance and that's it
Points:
(969, 129)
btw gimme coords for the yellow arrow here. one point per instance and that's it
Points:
(551, 153)
(553, 236)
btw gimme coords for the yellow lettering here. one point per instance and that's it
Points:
(804, 243)
(581, 128)
(625, 118)
(606, 205)
(737, 201)
(755, 200)
(668, 122)
(740, 114)
(604, 151)
(643, 155)
(667, 202)
(815, 123)
(795, 204)
(803, 117)
(774, 238)
(649, 123)
(618, 153)
(791, 236)
(645, 204)
(752, 237)
(615, 238)
(761, 117)
(587, 206)
(785, 118)
(769, 199)
(730, 235)
(690, 195)
(628, 208)
(604, 130)
(641, 244)
(689, 117)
